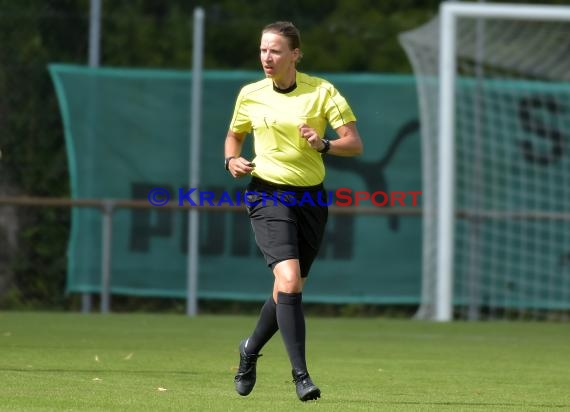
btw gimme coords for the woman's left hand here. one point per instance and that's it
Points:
(311, 136)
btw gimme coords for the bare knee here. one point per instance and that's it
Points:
(287, 277)
(288, 283)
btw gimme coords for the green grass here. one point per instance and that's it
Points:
(64, 362)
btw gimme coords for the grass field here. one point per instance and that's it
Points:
(64, 362)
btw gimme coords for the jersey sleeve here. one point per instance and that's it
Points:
(241, 121)
(337, 110)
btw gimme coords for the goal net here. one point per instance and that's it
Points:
(496, 161)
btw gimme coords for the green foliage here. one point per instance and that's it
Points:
(361, 36)
(34, 157)
(147, 34)
(338, 35)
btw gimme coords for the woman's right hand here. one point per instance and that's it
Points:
(239, 167)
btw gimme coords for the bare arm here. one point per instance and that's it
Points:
(347, 144)
(237, 166)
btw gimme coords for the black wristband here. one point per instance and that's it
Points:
(326, 147)
(227, 162)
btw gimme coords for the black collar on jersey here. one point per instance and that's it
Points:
(287, 90)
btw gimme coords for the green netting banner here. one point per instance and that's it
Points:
(128, 132)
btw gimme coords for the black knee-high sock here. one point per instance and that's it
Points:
(291, 321)
(265, 328)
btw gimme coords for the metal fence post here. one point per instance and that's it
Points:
(106, 242)
(195, 138)
(93, 59)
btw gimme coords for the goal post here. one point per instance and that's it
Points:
(488, 74)
(446, 211)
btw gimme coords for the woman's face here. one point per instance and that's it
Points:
(277, 59)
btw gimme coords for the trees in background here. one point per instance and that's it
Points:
(338, 36)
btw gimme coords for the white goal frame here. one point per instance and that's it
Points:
(450, 12)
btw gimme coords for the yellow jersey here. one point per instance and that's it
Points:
(282, 156)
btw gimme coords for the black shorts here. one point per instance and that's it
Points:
(288, 221)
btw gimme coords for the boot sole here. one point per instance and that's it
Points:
(312, 395)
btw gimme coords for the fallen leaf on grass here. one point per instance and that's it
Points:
(129, 356)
